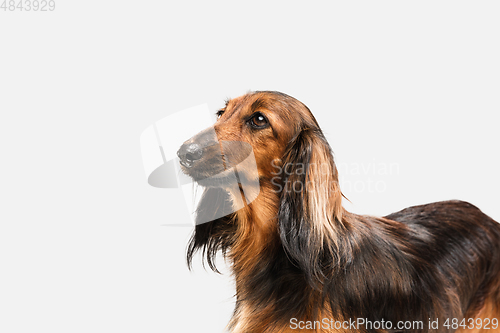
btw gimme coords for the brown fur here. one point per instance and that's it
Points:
(299, 254)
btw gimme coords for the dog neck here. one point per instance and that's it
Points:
(256, 228)
(255, 254)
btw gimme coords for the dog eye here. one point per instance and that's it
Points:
(219, 113)
(258, 121)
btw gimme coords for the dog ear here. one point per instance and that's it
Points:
(210, 237)
(310, 211)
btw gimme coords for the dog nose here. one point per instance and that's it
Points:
(188, 153)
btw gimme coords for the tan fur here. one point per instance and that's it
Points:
(257, 225)
(487, 313)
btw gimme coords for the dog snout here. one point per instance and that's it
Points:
(188, 153)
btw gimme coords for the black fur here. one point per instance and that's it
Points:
(434, 261)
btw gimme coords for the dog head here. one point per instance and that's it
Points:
(293, 159)
(261, 122)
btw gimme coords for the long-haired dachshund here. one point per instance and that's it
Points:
(302, 263)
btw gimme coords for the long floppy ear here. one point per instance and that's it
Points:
(214, 236)
(310, 212)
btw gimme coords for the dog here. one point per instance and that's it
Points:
(302, 263)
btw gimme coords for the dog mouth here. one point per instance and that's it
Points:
(222, 179)
(225, 169)
(219, 164)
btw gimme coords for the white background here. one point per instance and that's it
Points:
(82, 246)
